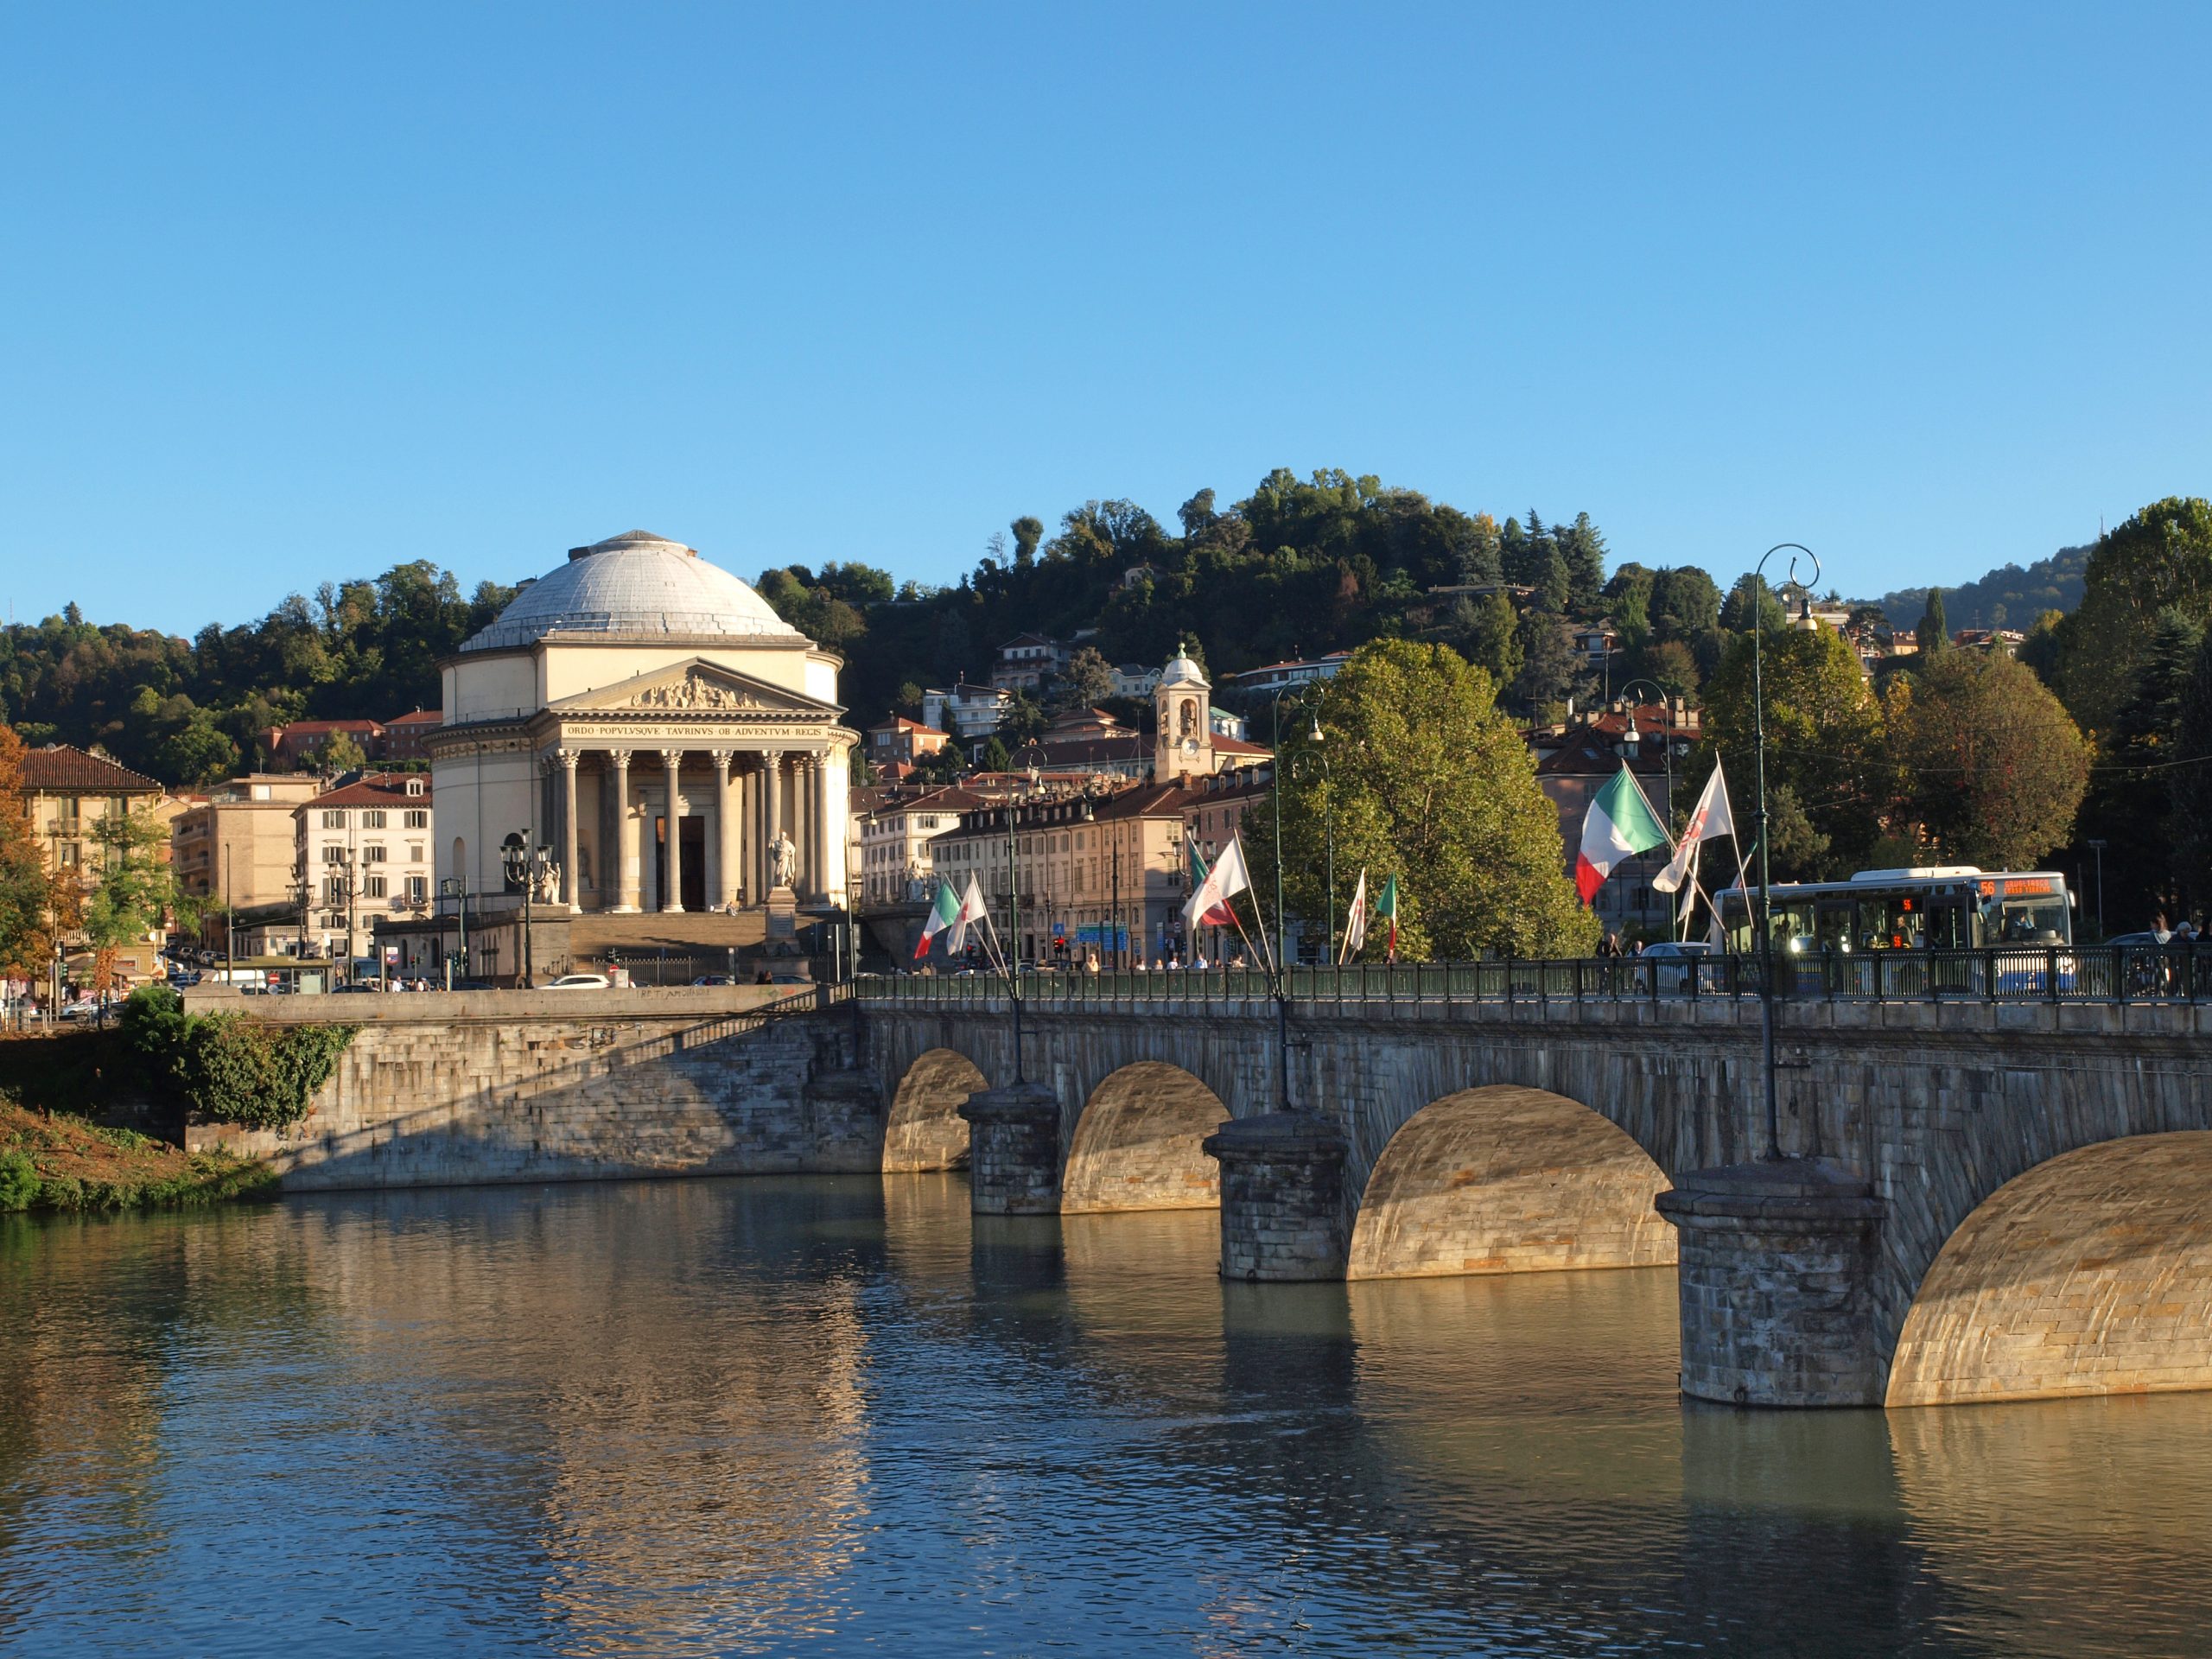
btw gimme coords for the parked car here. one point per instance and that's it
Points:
(1675, 961)
(581, 983)
(356, 989)
(715, 979)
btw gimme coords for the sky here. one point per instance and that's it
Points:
(294, 292)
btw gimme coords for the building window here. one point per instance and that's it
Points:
(373, 887)
(372, 819)
(333, 890)
(333, 853)
(333, 818)
(373, 853)
(418, 818)
(414, 852)
(418, 889)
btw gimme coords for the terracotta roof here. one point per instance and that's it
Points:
(1589, 751)
(420, 717)
(64, 765)
(306, 727)
(1237, 746)
(377, 789)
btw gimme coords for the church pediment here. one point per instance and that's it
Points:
(694, 688)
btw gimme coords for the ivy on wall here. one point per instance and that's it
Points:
(232, 1068)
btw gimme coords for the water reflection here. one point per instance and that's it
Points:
(836, 1415)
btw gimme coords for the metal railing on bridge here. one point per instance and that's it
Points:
(2004, 973)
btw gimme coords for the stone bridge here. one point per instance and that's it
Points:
(1978, 1201)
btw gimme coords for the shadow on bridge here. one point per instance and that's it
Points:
(2089, 1273)
(1136, 1145)
(924, 1131)
(1508, 1179)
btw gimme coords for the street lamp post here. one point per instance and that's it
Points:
(2097, 846)
(1280, 973)
(1766, 876)
(1311, 761)
(1031, 759)
(525, 863)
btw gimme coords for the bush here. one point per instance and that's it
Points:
(19, 1182)
(236, 1069)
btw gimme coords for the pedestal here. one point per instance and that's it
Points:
(1014, 1150)
(1776, 1283)
(783, 913)
(1282, 1209)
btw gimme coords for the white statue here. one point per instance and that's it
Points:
(785, 857)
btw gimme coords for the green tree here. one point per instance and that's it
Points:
(1428, 781)
(1751, 603)
(340, 753)
(1088, 680)
(1547, 664)
(137, 892)
(2160, 557)
(1934, 631)
(1824, 732)
(996, 756)
(1993, 767)
(2189, 780)
(1491, 637)
(1685, 601)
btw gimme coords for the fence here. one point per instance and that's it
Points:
(2010, 974)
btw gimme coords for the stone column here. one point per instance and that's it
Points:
(724, 892)
(1014, 1150)
(625, 837)
(673, 760)
(1776, 1278)
(1282, 1204)
(772, 807)
(803, 823)
(571, 894)
(829, 833)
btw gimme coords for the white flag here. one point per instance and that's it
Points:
(1356, 922)
(972, 910)
(1711, 818)
(1208, 905)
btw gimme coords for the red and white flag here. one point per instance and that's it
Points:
(1709, 820)
(972, 910)
(1208, 905)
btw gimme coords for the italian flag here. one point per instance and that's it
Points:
(944, 910)
(1386, 911)
(1618, 825)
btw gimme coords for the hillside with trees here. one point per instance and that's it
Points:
(2008, 597)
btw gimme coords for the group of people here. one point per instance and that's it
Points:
(2187, 930)
(1611, 945)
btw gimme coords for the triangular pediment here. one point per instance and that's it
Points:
(696, 687)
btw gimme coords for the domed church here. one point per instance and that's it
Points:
(646, 717)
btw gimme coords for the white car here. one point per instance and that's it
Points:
(582, 982)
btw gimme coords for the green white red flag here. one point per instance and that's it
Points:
(1208, 905)
(944, 910)
(1618, 825)
(972, 910)
(1386, 908)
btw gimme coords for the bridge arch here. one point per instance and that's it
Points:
(2089, 1273)
(1504, 1178)
(924, 1130)
(1136, 1146)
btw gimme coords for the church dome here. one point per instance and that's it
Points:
(1182, 671)
(635, 586)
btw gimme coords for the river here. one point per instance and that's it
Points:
(839, 1416)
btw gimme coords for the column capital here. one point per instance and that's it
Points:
(569, 758)
(620, 757)
(673, 757)
(722, 760)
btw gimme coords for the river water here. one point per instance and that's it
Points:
(833, 1415)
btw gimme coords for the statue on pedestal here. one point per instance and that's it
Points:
(785, 857)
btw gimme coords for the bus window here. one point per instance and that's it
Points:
(1792, 925)
(1736, 922)
(1892, 922)
(1947, 928)
(2042, 920)
(1834, 928)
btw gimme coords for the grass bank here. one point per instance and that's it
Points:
(59, 1161)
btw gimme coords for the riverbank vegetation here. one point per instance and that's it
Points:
(58, 1162)
(230, 1068)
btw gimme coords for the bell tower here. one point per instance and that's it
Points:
(1182, 708)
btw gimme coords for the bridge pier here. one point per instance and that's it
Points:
(1776, 1274)
(1013, 1157)
(1282, 1197)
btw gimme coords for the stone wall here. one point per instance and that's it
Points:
(422, 1101)
(1137, 1145)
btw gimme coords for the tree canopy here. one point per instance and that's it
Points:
(1420, 776)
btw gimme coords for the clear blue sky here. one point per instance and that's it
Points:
(292, 294)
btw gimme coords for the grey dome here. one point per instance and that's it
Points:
(1182, 671)
(635, 586)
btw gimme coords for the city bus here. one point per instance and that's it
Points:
(1943, 928)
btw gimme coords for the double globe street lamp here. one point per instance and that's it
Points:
(1765, 915)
